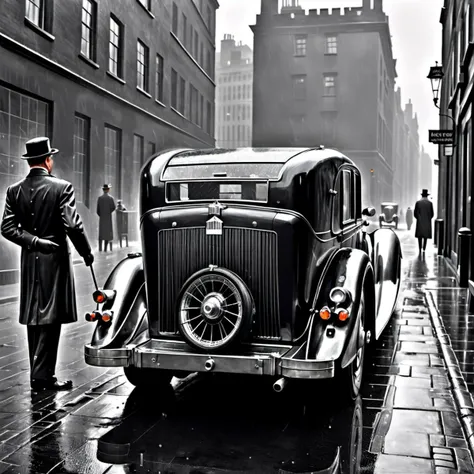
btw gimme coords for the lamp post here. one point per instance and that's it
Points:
(436, 76)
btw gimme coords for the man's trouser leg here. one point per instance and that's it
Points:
(425, 241)
(106, 244)
(43, 342)
(100, 245)
(420, 243)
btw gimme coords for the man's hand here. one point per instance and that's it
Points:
(89, 260)
(45, 246)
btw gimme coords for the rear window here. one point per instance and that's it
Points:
(215, 190)
(227, 170)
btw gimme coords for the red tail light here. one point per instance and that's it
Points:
(107, 317)
(92, 317)
(101, 296)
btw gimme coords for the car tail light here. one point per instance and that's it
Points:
(325, 313)
(93, 316)
(343, 315)
(101, 296)
(107, 317)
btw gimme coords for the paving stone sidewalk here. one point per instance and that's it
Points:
(419, 428)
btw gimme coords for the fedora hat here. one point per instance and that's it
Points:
(106, 186)
(38, 147)
(425, 192)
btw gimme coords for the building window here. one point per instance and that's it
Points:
(329, 85)
(21, 118)
(194, 105)
(142, 66)
(116, 47)
(196, 44)
(174, 89)
(331, 44)
(209, 18)
(151, 149)
(138, 150)
(300, 45)
(159, 78)
(209, 118)
(146, 4)
(35, 12)
(182, 96)
(299, 86)
(184, 32)
(112, 152)
(89, 19)
(348, 207)
(201, 111)
(80, 159)
(175, 19)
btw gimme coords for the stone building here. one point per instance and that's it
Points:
(234, 79)
(327, 77)
(110, 83)
(456, 169)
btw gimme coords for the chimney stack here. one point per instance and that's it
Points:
(366, 5)
(269, 8)
(378, 5)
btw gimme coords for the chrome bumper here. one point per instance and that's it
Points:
(273, 360)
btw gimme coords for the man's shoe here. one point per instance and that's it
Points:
(53, 386)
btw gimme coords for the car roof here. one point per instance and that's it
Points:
(240, 155)
(389, 204)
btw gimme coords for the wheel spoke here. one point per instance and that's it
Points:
(197, 288)
(234, 314)
(212, 330)
(195, 329)
(222, 328)
(195, 297)
(191, 307)
(192, 319)
(203, 332)
(233, 324)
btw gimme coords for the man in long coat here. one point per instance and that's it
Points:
(40, 212)
(423, 215)
(105, 208)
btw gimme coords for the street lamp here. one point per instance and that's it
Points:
(436, 76)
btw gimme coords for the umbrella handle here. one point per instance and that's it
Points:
(93, 277)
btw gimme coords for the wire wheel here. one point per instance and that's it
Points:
(213, 309)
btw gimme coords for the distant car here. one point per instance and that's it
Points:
(255, 261)
(389, 215)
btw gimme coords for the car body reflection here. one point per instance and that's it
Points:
(226, 425)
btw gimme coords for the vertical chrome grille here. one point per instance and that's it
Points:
(250, 253)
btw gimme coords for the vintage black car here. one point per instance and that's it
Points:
(389, 215)
(255, 261)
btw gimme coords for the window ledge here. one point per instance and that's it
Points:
(299, 55)
(39, 30)
(176, 111)
(146, 9)
(113, 76)
(330, 54)
(160, 103)
(191, 56)
(88, 60)
(139, 89)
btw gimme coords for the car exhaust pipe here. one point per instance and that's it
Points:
(280, 384)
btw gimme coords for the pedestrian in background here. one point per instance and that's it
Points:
(105, 208)
(120, 206)
(409, 217)
(40, 211)
(423, 215)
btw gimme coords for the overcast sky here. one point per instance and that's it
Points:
(416, 38)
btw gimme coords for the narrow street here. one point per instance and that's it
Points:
(405, 422)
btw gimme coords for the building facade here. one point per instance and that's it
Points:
(328, 78)
(110, 83)
(234, 79)
(455, 170)
(425, 174)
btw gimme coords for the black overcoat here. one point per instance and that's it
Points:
(423, 215)
(44, 206)
(105, 207)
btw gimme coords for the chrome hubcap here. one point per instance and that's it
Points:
(212, 306)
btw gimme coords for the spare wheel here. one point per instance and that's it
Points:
(215, 310)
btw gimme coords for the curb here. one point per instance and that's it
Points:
(462, 397)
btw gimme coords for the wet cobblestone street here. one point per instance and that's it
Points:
(406, 420)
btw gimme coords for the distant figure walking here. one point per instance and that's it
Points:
(423, 215)
(409, 217)
(105, 208)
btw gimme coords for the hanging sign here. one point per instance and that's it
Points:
(441, 137)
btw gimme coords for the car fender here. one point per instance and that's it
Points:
(129, 319)
(349, 269)
(387, 255)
